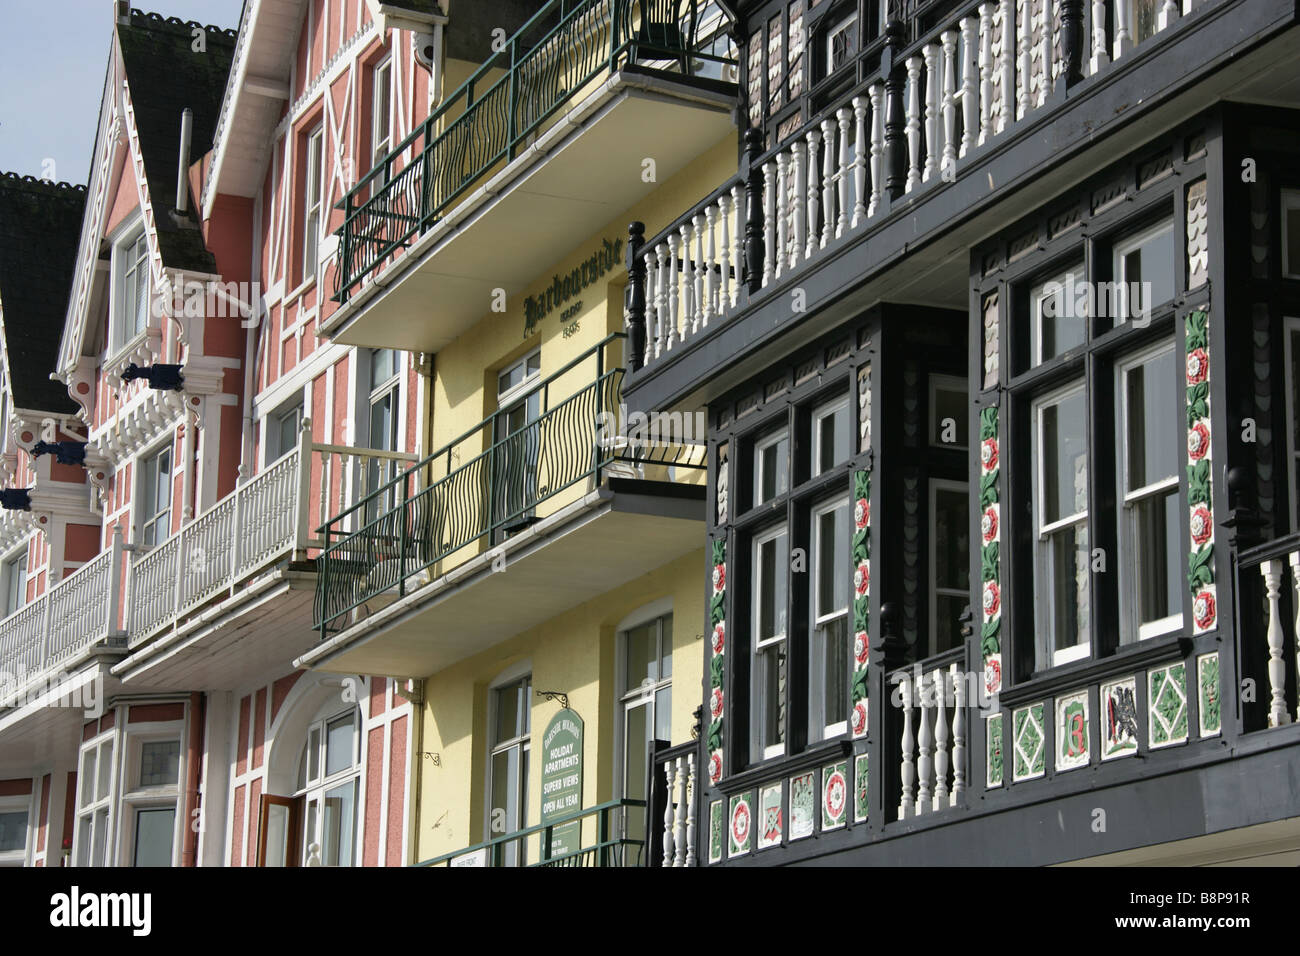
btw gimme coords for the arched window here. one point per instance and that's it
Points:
(329, 780)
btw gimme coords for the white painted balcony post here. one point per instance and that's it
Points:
(958, 734)
(941, 754)
(1100, 58)
(986, 71)
(701, 290)
(1169, 12)
(737, 237)
(829, 216)
(669, 780)
(814, 138)
(970, 109)
(1123, 30)
(798, 186)
(690, 809)
(679, 832)
(1024, 70)
(769, 222)
(239, 543)
(924, 745)
(116, 584)
(780, 252)
(724, 264)
(651, 306)
(846, 161)
(690, 319)
(875, 93)
(907, 772)
(913, 123)
(676, 318)
(1277, 714)
(949, 162)
(303, 502)
(1044, 52)
(1007, 66)
(933, 92)
(859, 161)
(665, 310)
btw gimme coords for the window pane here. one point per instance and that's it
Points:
(154, 830)
(159, 762)
(105, 770)
(313, 754)
(340, 744)
(13, 830)
(642, 652)
(383, 366)
(101, 838)
(310, 845)
(1152, 422)
(664, 714)
(666, 647)
(771, 470)
(277, 835)
(947, 626)
(951, 540)
(832, 559)
(831, 444)
(1067, 587)
(88, 778)
(1147, 271)
(1157, 557)
(771, 588)
(288, 430)
(835, 670)
(1058, 322)
(770, 715)
(505, 789)
(949, 403)
(339, 825)
(1064, 458)
(636, 755)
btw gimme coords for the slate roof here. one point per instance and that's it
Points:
(40, 229)
(165, 75)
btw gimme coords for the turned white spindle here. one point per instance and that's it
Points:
(670, 777)
(907, 772)
(677, 316)
(701, 273)
(969, 95)
(724, 256)
(844, 116)
(711, 306)
(687, 281)
(690, 810)
(651, 306)
(1024, 70)
(1006, 67)
(986, 70)
(1044, 51)
(779, 252)
(949, 40)
(859, 160)
(663, 315)
(876, 93)
(913, 123)
(1099, 56)
(933, 93)
(1123, 30)
(679, 825)
(814, 202)
(769, 221)
(798, 187)
(1277, 715)
(737, 238)
(924, 744)
(1295, 574)
(1168, 14)
(958, 734)
(829, 162)
(941, 754)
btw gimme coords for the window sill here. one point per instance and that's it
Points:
(1168, 647)
(779, 768)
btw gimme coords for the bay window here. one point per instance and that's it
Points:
(14, 813)
(94, 803)
(770, 566)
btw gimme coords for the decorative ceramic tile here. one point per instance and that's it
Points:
(835, 796)
(861, 787)
(993, 751)
(991, 596)
(770, 823)
(803, 804)
(1027, 741)
(742, 824)
(1207, 680)
(861, 599)
(718, 658)
(1167, 705)
(1200, 470)
(717, 827)
(1119, 718)
(1072, 730)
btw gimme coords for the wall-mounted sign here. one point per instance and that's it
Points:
(565, 287)
(562, 780)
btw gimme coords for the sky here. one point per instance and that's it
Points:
(53, 55)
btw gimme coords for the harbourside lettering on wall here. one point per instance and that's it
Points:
(565, 287)
(562, 780)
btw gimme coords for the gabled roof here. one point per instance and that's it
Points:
(40, 225)
(165, 75)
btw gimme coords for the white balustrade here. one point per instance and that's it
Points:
(679, 821)
(933, 739)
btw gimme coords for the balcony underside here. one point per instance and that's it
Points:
(635, 527)
(256, 631)
(571, 183)
(32, 733)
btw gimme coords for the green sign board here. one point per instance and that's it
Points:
(562, 780)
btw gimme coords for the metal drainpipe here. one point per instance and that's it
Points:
(189, 842)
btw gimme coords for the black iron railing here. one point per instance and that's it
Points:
(600, 833)
(487, 484)
(564, 47)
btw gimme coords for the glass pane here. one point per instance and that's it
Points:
(636, 755)
(771, 692)
(13, 830)
(1157, 557)
(339, 825)
(771, 588)
(88, 778)
(383, 366)
(1059, 316)
(1147, 272)
(277, 835)
(84, 839)
(835, 671)
(288, 428)
(154, 830)
(1154, 448)
(313, 754)
(505, 790)
(832, 438)
(664, 714)
(340, 744)
(951, 540)
(947, 626)
(1064, 458)
(508, 716)
(159, 762)
(381, 424)
(771, 470)
(949, 403)
(310, 844)
(666, 647)
(1066, 553)
(642, 652)
(101, 838)
(105, 769)
(832, 558)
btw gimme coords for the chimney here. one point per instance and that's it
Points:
(122, 12)
(182, 173)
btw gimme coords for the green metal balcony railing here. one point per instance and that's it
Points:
(534, 846)
(487, 484)
(564, 47)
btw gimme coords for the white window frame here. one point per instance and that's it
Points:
(1037, 295)
(947, 383)
(757, 701)
(643, 695)
(1131, 629)
(1119, 271)
(121, 330)
(846, 23)
(17, 559)
(760, 446)
(1043, 530)
(145, 467)
(381, 139)
(937, 485)
(522, 671)
(18, 803)
(530, 378)
(88, 806)
(317, 787)
(820, 413)
(313, 201)
(820, 618)
(136, 797)
(1290, 200)
(273, 425)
